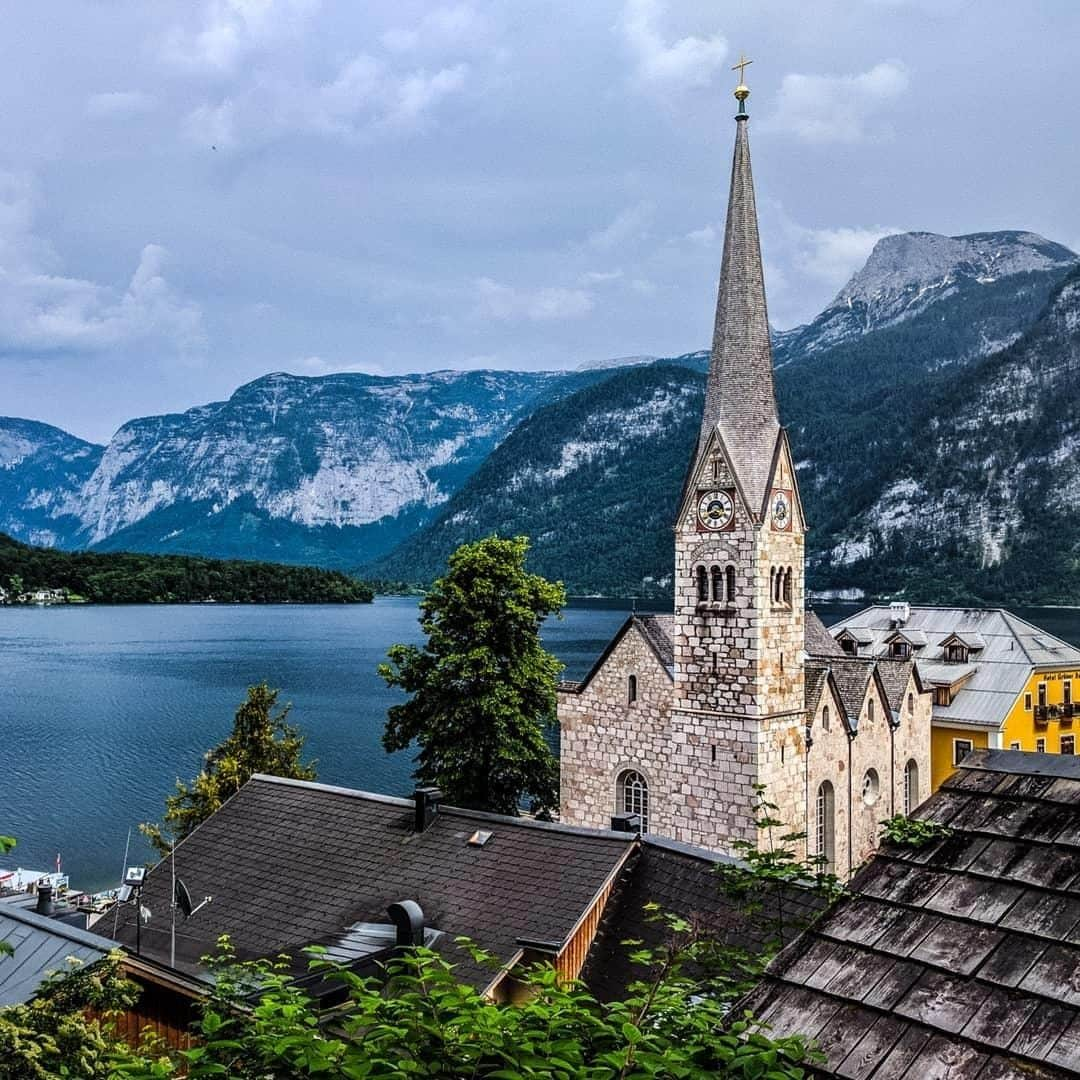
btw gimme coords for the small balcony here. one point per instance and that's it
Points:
(1042, 715)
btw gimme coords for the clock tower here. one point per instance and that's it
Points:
(738, 717)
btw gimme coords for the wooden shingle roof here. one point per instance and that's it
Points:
(960, 958)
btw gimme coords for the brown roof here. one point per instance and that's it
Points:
(289, 863)
(958, 958)
(815, 677)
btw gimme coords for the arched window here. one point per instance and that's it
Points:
(631, 689)
(772, 584)
(717, 584)
(910, 705)
(787, 587)
(729, 575)
(825, 827)
(632, 796)
(702, 584)
(825, 720)
(870, 711)
(911, 786)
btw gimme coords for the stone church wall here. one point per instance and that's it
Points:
(603, 734)
(829, 760)
(912, 741)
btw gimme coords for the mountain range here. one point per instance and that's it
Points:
(929, 405)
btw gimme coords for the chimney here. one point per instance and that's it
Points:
(45, 905)
(626, 822)
(408, 917)
(427, 806)
(899, 613)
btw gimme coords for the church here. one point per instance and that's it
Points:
(685, 718)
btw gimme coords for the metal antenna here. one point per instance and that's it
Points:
(123, 871)
(172, 906)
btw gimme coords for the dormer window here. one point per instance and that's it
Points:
(900, 649)
(942, 695)
(848, 645)
(956, 653)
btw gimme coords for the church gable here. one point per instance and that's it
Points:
(783, 481)
(712, 471)
(641, 647)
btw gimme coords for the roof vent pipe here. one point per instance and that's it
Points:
(45, 905)
(427, 806)
(408, 917)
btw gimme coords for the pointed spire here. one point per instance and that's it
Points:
(740, 398)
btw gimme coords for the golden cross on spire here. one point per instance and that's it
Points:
(741, 65)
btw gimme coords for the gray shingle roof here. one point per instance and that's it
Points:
(289, 863)
(740, 399)
(819, 642)
(815, 676)
(658, 631)
(42, 946)
(852, 677)
(959, 958)
(1010, 647)
(895, 677)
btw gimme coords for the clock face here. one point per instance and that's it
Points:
(781, 510)
(715, 510)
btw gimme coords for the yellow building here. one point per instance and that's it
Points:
(999, 682)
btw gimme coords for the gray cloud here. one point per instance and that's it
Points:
(196, 192)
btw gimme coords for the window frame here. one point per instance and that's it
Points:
(632, 795)
(956, 743)
(825, 825)
(911, 772)
(1040, 745)
(1071, 740)
(631, 688)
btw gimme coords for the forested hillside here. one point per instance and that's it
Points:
(143, 579)
(942, 481)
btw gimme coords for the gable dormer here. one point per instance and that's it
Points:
(854, 640)
(904, 644)
(958, 647)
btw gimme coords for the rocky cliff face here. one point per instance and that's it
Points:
(928, 459)
(988, 494)
(908, 273)
(41, 468)
(288, 467)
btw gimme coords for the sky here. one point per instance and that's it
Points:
(196, 193)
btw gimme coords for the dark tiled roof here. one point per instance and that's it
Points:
(683, 881)
(958, 959)
(895, 676)
(289, 863)
(819, 642)
(815, 677)
(658, 631)
(42, 945)
(852, 677)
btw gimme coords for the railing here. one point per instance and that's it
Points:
(1042, 714)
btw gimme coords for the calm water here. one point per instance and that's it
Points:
(102, 708)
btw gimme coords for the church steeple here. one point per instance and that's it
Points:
(740, 400)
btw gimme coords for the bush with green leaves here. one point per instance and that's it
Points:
(912, 832)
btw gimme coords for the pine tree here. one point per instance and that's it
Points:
(483, 686)
(261, 741)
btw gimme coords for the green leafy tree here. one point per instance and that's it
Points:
(67, 1029)
(261, 741)
(483, 686)
(424, 1022)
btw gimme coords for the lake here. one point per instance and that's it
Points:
(102, 708)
